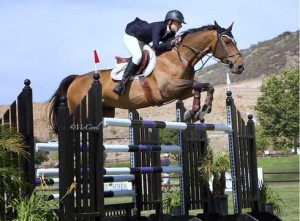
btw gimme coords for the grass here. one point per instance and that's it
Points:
(289, 192)
(277, 164)
(120, 164)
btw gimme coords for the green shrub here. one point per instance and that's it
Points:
(168, 137)
(269, 196)
(11, 148)
(40, 157)
(34, 207)
(171, 198)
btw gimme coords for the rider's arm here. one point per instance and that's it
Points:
(160, 45)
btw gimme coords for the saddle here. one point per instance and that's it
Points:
(144, 69)
(141, 67)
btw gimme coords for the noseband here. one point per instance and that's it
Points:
(198, 52)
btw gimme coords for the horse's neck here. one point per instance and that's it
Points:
(196, 45)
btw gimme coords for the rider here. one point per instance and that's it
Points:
(138, 33)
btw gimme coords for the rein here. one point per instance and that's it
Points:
(196, 52)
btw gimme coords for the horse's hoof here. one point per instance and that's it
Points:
(204, 108)
(196, 116)
(201, 114)
(188, 115)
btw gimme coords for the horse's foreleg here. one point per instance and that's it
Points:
(196, 113)
(196, 101)
(207, 106)
(209, 97)
(191, 114)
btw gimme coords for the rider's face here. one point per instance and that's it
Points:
(175, 26)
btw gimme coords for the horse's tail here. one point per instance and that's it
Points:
(55, 100)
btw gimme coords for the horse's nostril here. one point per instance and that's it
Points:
(241, 67)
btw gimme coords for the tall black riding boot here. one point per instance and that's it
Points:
(120, 88)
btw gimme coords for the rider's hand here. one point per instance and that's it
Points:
(176, 41)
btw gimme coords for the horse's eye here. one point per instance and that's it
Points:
(227, 41)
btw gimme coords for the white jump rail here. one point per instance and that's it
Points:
(111, 193)
(53, 146)
(117, 122)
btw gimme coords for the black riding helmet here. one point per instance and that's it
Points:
(175, 15)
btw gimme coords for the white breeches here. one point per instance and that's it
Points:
(134, 47)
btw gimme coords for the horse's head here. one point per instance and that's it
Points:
(212, 39)
(226, 50)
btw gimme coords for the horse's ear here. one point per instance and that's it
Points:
(230, 27)
(217, 26)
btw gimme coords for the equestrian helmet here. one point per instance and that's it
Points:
(175, 15)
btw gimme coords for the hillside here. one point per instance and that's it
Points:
(265, 58)
(261, 60)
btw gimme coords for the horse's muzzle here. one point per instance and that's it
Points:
(238, 69)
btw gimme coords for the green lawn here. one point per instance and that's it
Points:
(277, 164)
(289, 192)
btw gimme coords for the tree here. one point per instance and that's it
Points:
(262, 141)
(278, 108)
(169, 137)
(40, 157)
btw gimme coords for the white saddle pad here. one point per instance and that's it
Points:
(118, 71)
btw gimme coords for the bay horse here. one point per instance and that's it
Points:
(171, 79)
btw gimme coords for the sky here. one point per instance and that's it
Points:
(45, 41)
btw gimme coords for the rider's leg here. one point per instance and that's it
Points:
(120, 88)
(134, 47)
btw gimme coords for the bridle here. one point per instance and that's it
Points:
(227, 62)
(219, 43)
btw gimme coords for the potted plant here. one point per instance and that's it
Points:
(214, 167)
(172, 202)
(270, 200)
